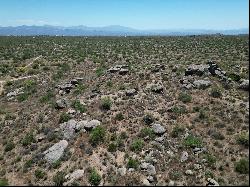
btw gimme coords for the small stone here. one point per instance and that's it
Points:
(171, 183)
(197, 166)
(73, 176)
(92, 124)
(158, 129)
(61, 103)
(150, 178)
(122, 171)
(145, 182)
(189, 172)
(212, 182)
(184, 156)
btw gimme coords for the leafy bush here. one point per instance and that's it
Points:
(215, 92)
(192, 141)
(64, 117)
(132, 163)
(242, 166)
(243, 139)
(112, 147)
(80, 88)
(4, 182)
(39, 174)
(22, 97)
(106, 103)
(9, 146)
(211, 160)
(78, 106)
(148, 119)
(47, 97)
(185, 97)
(28, 139)
(94, 178)
(100, 71)
(97, 135)
(147, 132)
(59, 179)
(137, 145)
(177, 130)
(119, 116)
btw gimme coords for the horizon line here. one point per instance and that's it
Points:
(211, 29)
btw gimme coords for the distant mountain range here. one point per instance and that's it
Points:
(113, 30)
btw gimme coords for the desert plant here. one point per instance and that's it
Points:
(106, 103)
(137, 145)
(78, 106)
(132, 163)
(242, 166)
(192, 141)
(58, 179)
(97, 135)
(185, 97)
(94, 178)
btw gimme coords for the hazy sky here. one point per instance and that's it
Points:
(140, 14)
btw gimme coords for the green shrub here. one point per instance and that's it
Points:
(94, 178)
(203, 114)
(9, 146)
(148, 119)
(97, 135)
(28, 164)
(59, 179)
(78, 106)
(179, 110)
(28, 139)
(242, 166)
(80, 88)
(4, 182)
(106, 103)
(119, 116)
(137, 145)
(234, 77)
(112, 147)
(22, 97)
(147, 132)
(185, 97)
(132, 163)
(215, 92)
(64, 117)
(100, 71)
(243, 139)
(177, 130)
(192, 141)
(109, 84)
(47, 97)
(56, 164)
(211, 160)
(39, 174)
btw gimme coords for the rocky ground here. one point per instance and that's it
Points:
(124, 110)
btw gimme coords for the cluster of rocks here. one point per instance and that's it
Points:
(15, 93)
(156, 88)
(189, 82)
(210, 68)
(71, 127)
(244, 85)
(61, 103)
(157, 67)
(121, 69)
(68, 86)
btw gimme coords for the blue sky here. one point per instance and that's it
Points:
(139, 14)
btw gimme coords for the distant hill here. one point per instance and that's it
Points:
(113, 30)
